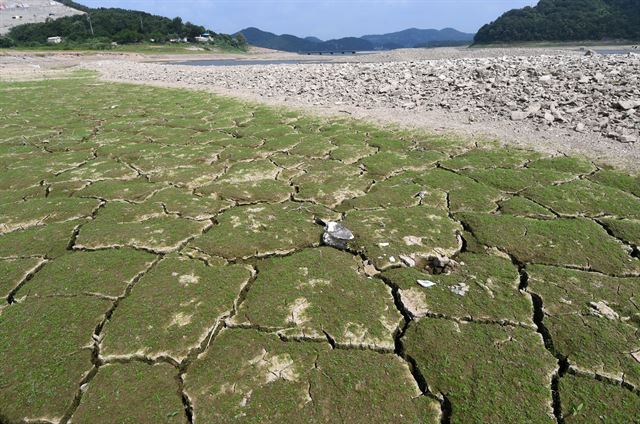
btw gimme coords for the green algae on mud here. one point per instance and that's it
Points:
(481, 288)
(389, 236)
(132, 393)
(130, 215)
(172, 309)
(48, 356)
(593, 320)
(585, 400)
(489, 373)
(104, 273)
(320, 293)
(578, 243)
(249, 376)
(264, 229)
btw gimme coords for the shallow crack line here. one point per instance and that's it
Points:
(127, 359)
(186, 400)
(469, 319)
(78, 396)
(572, 369)
(119, 247)
(399, 349)
(628, 245)
(220, 324)
(25, 279)
(96, 336)
(545, 207)
(563, 363)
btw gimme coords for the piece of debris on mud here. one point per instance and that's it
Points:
(336, 235)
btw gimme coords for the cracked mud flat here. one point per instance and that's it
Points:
(161, 260)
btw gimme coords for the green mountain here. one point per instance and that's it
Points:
(291, 43)
(566, 20)
(106, 25)
(414, 37)
(404, 39)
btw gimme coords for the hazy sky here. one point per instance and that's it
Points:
(325, 18)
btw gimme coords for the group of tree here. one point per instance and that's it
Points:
(107, 25)
(566, 20)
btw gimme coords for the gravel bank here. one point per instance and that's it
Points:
(567, 103)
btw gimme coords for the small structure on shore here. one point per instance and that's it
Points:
(54, 40)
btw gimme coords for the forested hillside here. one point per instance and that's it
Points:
(566, 20)
(105, 25)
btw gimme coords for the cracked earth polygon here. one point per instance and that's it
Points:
(161, 260)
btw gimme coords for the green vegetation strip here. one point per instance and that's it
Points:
(161, 260)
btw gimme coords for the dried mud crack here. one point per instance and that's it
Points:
(170, 264)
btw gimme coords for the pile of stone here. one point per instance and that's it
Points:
(586, 93)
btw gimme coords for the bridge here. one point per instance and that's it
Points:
(320, 53)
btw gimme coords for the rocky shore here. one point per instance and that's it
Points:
(591, 102)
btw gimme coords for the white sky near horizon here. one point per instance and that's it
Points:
(325, 18)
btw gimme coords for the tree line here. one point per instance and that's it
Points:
(107, 25)
(566, 20)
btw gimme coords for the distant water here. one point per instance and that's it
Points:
(240, 62)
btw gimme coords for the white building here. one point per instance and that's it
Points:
(54, 40)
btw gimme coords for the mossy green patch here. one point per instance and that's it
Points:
(516, 180)
(616, 179)
(132, 393)
(248, 192)
(132, 190)
(105, 273)
(172, 309)
(45, 355)
(314, 292)
(14, 271)
(491, 158)
(313, 146)
(329, 182)
(247, 376)
(180, 201)
(624, 229)
(388, 236)
(521, 206)
(48, 241)
(489, 373)
(352, 152)
(242, 153)
(566, 242)
(568, 164)
(593, 319)
(388, 163)
(585, 400)
(190, 176)
(262, 230)
(481, 287)
(144, 226)
(398, 191)
(41, 211)
(465, 194)
(245, 172)
(586, 198)
(94, 170)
